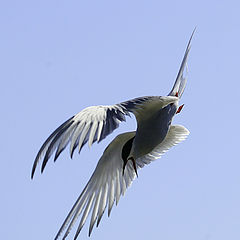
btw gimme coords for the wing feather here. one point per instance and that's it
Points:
(75, 137)
(85, 214)
(90, 125)
(95, 210)
(103, 205)
(46, 144)
(54, 143)
(107, 183)
(83, 135)
(104, 187)
(64, 140)
(111, 196)
(92, 133)
(100, 127)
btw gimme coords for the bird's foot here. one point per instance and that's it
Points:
(179, 109)
(133, 162)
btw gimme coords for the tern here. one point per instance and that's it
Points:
(129, 151)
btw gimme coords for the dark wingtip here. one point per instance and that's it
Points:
(34, 168)
(57, 155)
(73, 149)
(77, 233)
(32, 174)
(99, 218)
(44, 163)
(50, 138)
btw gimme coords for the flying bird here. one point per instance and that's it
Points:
(128, 152)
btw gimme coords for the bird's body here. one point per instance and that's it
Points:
(149, 127)
(129, 151)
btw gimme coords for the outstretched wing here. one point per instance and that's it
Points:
(107, 183)
(181, 81)
(90, 125)
(104, 187)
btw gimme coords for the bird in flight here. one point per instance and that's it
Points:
(119, 164)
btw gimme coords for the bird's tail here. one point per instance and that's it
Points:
(180, 83)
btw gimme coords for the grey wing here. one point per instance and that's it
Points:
(108, 183)
(181, 81)
(90, 125)
(104, 188)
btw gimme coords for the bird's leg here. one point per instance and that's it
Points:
(179, 109)
(133, 162)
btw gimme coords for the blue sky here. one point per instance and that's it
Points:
(58, 57)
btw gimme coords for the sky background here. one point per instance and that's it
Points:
(58, 57)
